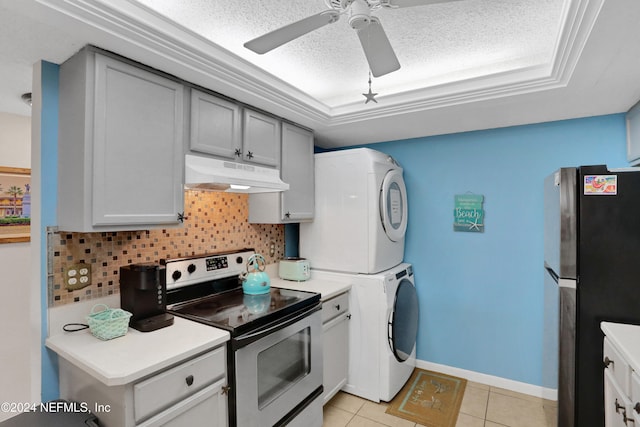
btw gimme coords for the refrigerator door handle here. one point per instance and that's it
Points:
(552, 273)
(568, 283)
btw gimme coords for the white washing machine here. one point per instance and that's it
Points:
(360, 213)
(382, 330)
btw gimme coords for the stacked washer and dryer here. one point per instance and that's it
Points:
(357, 236)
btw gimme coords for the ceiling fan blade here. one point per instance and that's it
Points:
(276, 38)
(394, 4)
(380, 55)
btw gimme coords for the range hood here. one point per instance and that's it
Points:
(205, 173)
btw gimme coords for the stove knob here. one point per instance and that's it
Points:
(191, 268)
(239, 260)
(176, 275)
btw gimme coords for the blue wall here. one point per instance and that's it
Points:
(49, 185)
(481, 294)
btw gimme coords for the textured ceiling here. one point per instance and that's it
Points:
(466, 65)
(435, 44)
(22, 42)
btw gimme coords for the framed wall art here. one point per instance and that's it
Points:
(15, 204)
(468, 213)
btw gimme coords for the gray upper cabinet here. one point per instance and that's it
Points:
(261, 136)
(633, 135)
(297, 155)
(120, 146)
(297, 170)
(226, 130)
(216, 126)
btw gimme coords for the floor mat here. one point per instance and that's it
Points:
(429, 398)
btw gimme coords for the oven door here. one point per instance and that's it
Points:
(279, 370)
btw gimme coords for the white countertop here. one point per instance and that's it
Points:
(137, 354)
(626, 338)
(326, 287)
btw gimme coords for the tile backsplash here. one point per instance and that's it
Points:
(215, 222)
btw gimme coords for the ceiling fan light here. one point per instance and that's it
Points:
(358, 22)
(359, 15)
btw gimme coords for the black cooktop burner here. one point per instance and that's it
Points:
(239, 313)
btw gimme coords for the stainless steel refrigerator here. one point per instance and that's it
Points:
(592, 263)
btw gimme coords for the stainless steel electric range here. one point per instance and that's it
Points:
(274, 357)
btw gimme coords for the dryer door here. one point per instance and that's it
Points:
(403, 322)
(393, 205)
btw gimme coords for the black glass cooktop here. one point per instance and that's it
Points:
(239, 313)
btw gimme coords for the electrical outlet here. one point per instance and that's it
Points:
(77, 276)
(272, 248)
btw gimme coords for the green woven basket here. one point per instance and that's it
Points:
(109, 322)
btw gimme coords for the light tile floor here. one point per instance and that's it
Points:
(482, 406)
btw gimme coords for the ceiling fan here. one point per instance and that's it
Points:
(377, 48)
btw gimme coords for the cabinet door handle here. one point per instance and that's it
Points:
(287, 215)
(189, 380)
(337, 306)
(249, 155)
(620, 409)
(237, 152)
(608, 362)
(181, 216)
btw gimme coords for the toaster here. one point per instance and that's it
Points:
(293, 268)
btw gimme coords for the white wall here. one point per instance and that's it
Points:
(15, 264)
(15, 140)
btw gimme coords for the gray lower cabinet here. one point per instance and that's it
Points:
(335, 350)
(297, 170)
(191, 393)
(120, 158)
(620, 355)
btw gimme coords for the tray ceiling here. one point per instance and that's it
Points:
(465, 65)
(435, 44)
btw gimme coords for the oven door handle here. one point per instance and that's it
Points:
(247, 339)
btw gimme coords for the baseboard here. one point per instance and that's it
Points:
(517, 386)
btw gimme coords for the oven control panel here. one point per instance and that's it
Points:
(197, 269)
(217, 262)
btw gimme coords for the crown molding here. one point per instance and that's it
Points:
(133, 30)
(579, 17)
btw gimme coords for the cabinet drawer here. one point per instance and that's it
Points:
(206, 407)
(335, 306)
(159, 392)
(617, 366)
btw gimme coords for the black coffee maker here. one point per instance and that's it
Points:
(143, 293)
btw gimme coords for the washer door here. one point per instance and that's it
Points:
(393, 205)
(403, 321)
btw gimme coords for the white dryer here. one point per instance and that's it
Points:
(382, 330)
(360, 213)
